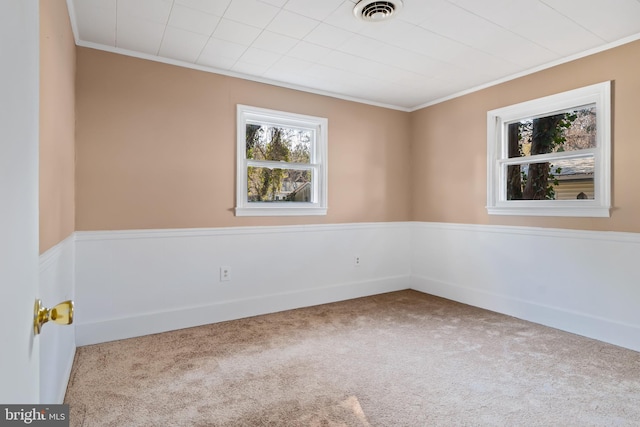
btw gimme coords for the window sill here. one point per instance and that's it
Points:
(280, 211)
(571, 211)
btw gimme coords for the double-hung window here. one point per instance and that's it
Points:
(551, 156)
(281, 163)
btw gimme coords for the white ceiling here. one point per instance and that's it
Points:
(432, 50)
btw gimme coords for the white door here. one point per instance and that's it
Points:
(19, 100)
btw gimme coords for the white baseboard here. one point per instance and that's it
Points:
(151, 323)
(65, 377)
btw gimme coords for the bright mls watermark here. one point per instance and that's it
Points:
(34, 415)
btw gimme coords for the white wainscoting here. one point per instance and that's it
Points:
(57, 343)
(583, 282)
(133, 283)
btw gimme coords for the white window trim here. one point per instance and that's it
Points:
(318, 205)
(497, 154)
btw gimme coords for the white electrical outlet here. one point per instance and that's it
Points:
(225, 274)
(357, 261)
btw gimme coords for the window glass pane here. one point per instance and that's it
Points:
(570, 130)
(278, 143)
(278, 185)
(570, 179)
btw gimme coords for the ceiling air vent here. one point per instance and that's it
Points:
(376, 10)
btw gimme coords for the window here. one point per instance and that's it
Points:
(551, 156)
(281, 163)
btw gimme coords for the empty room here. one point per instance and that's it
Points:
(323, 213)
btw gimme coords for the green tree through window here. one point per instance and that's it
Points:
(568, 131)
(276, 144)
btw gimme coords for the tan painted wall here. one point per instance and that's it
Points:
(57, 124)
(156, 148)
(448, 148)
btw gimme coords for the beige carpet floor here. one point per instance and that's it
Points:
(397, 359)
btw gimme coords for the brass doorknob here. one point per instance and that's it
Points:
(61, 314)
